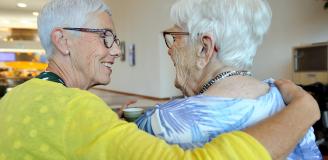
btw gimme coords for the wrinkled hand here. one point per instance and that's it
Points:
(296, 95)
(289, 90)
(125, 105)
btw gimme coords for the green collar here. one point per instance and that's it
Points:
(50, 76)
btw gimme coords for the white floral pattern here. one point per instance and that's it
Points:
(191, 122)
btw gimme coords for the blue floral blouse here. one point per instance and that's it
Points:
(193, 121)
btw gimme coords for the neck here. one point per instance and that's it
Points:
(210, 73)
(64, 70)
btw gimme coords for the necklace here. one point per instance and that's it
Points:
(221, 76)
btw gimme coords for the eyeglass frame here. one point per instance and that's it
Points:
(173, 33)
(103, 36)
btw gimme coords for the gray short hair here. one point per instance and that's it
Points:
(65, 13)
(237, 25)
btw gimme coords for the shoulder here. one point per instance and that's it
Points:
(177, 114)
(192, 102)
(173, 111)
(184, 106)
(197, 107)
(56, 94)
(273, 93)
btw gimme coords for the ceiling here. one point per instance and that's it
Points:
(32, 5)
(12, 16)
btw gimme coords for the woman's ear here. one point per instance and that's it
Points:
(207, 51)
(59, 40)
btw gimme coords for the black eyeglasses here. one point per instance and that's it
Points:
(170, 37)
(106, 34)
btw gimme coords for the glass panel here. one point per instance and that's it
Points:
(312, 59)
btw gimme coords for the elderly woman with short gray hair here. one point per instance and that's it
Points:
(212, 47)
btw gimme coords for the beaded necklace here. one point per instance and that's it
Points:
(221, 76)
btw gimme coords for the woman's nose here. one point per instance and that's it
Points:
(115, 50)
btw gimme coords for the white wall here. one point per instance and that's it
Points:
(295, 22)
(141, 22)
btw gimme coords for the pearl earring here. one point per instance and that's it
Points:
(67, 52)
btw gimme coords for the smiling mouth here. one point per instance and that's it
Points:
(108, 65)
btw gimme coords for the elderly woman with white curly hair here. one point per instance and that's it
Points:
(53, 117)
(212, 47)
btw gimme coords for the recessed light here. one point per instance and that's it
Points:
(35, 13)
(21, 5)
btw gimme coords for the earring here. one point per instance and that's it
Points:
(67, 52)
(200, 64)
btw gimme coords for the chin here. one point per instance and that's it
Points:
(104, 81)
(176, 84)
(185, 91)
(179, 87)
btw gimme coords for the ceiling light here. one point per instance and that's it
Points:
(21, 5)
(35, 13)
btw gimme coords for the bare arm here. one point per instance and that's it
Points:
(281, 132)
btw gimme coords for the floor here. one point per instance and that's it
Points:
(115, 100)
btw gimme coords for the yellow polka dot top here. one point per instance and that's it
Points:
(44, 120)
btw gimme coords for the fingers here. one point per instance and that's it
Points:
(120, 113)
(289, 90)
(282, 81)
(295, 95)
